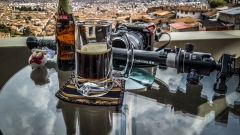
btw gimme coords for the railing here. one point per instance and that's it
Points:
(14, 52)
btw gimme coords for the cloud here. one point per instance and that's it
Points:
(172, 79)
(151, 118)
(28, 109)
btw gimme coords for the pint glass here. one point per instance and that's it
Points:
(94, 70)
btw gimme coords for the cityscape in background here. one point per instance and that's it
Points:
(19, 18)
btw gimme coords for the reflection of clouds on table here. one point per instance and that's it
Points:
(207, 83)
(27, 108)
(172, 79)
(149, 118)
(152, 119)
(181, 118)
(231, 96)
(175, 81)
(28, 111)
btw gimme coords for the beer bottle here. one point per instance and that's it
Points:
(65, 39)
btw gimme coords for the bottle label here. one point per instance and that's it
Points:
(65, 31)
(62, 17)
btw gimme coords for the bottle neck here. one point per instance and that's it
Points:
(64, 7)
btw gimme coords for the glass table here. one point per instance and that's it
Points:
(170, 106)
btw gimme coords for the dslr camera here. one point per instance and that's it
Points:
(140, 35)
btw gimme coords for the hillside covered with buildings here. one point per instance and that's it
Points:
(24, 18)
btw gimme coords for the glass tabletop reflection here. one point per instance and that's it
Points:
(169, 106)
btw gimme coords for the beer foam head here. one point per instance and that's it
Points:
(94, 48)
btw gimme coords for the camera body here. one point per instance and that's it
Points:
(141, 35)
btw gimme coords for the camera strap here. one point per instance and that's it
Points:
(157, 38)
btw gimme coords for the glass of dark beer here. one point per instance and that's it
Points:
(94, 70)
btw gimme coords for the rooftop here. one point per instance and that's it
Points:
(187, 19)
(180, 25)
(212, 24)
(161, 12)
(192, 9)
(211, 13)
(232, 11)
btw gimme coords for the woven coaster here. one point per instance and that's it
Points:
(114, 97)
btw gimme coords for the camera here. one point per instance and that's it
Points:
(141, 35)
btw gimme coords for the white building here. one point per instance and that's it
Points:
(184, 11)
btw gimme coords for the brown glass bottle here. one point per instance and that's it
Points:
(65, 39)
